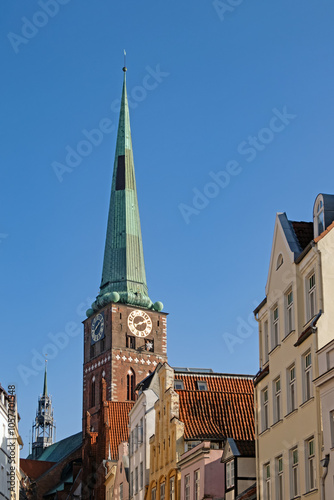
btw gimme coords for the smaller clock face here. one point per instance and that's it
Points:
(97, 329)
(139, 323)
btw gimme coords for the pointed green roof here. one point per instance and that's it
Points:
(123, 275)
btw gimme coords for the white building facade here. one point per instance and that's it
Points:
(295, 321)
(142, 426)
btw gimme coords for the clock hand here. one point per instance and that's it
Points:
(140, 323)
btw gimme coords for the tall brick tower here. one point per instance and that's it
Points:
(125, 333)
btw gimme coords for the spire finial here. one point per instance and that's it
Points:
(124, 67)
(45, 388)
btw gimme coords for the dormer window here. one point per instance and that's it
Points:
(178, 385)
(279, 261)
(201, 385)
(320, 216)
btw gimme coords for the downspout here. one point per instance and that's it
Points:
(256, 432)
(324, 462)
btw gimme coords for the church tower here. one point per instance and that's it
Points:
(43, 428)
(125, 332)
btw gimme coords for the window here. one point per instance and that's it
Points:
(135, 441)
(92, 393)
(131, 384)
(162, 491)
(266, 486)
(201, 385)
(121, 491)
(149, 345)
(331, 420)
(141, 471)
(307, 361)
(172, 488)
(92, 351)
(131, 442)
(289, 313)
(275, 328)
(230, 474)
(187, 487)
(197, 484)
(279, 261)
(136, 480)
(140, 432)
(131, 484)
(311, 296)
(291, 388)
(320, 217)
(130, 342)
(266, 342)
(310, 472)
(178, 384)
(153, 493)
(294, 486)
(265, 420)
(277, 399)
(279, 478)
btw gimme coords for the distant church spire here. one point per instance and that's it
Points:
(43, 428)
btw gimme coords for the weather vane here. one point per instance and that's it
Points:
(124, 68)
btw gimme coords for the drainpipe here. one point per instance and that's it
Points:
(324, 462)
(256, 429)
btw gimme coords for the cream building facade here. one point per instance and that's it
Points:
(295, 321)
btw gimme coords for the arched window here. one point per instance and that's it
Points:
(92, 393)
(320, 216)
(279, 261)
(131, 384)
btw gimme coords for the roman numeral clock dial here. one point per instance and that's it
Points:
(139, 323)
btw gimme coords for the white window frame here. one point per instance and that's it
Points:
(266, 341)
(197, 484)
(172, 488)
(311, 293)
(266, 482)
(265, 408)
(230, 473)
(187, 487)
(331, 420)
(275, 337)
(162, 490)
(307, 376)
(310, 464)
(140, 432)
(292, 392)
(289, 312)
(294, 472)
(277, 399)
(320, 215)
(279, 480)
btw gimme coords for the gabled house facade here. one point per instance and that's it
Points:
(240, 467)
(294, 322)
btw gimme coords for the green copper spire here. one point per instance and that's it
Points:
(123, 275)
(45, 388)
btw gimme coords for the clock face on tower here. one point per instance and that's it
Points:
(97, 328)
(139, 323)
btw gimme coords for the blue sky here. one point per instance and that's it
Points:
(232, 121)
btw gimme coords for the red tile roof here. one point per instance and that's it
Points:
(226, 409)
(118, 420)
(34, 468)
(304, 232)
